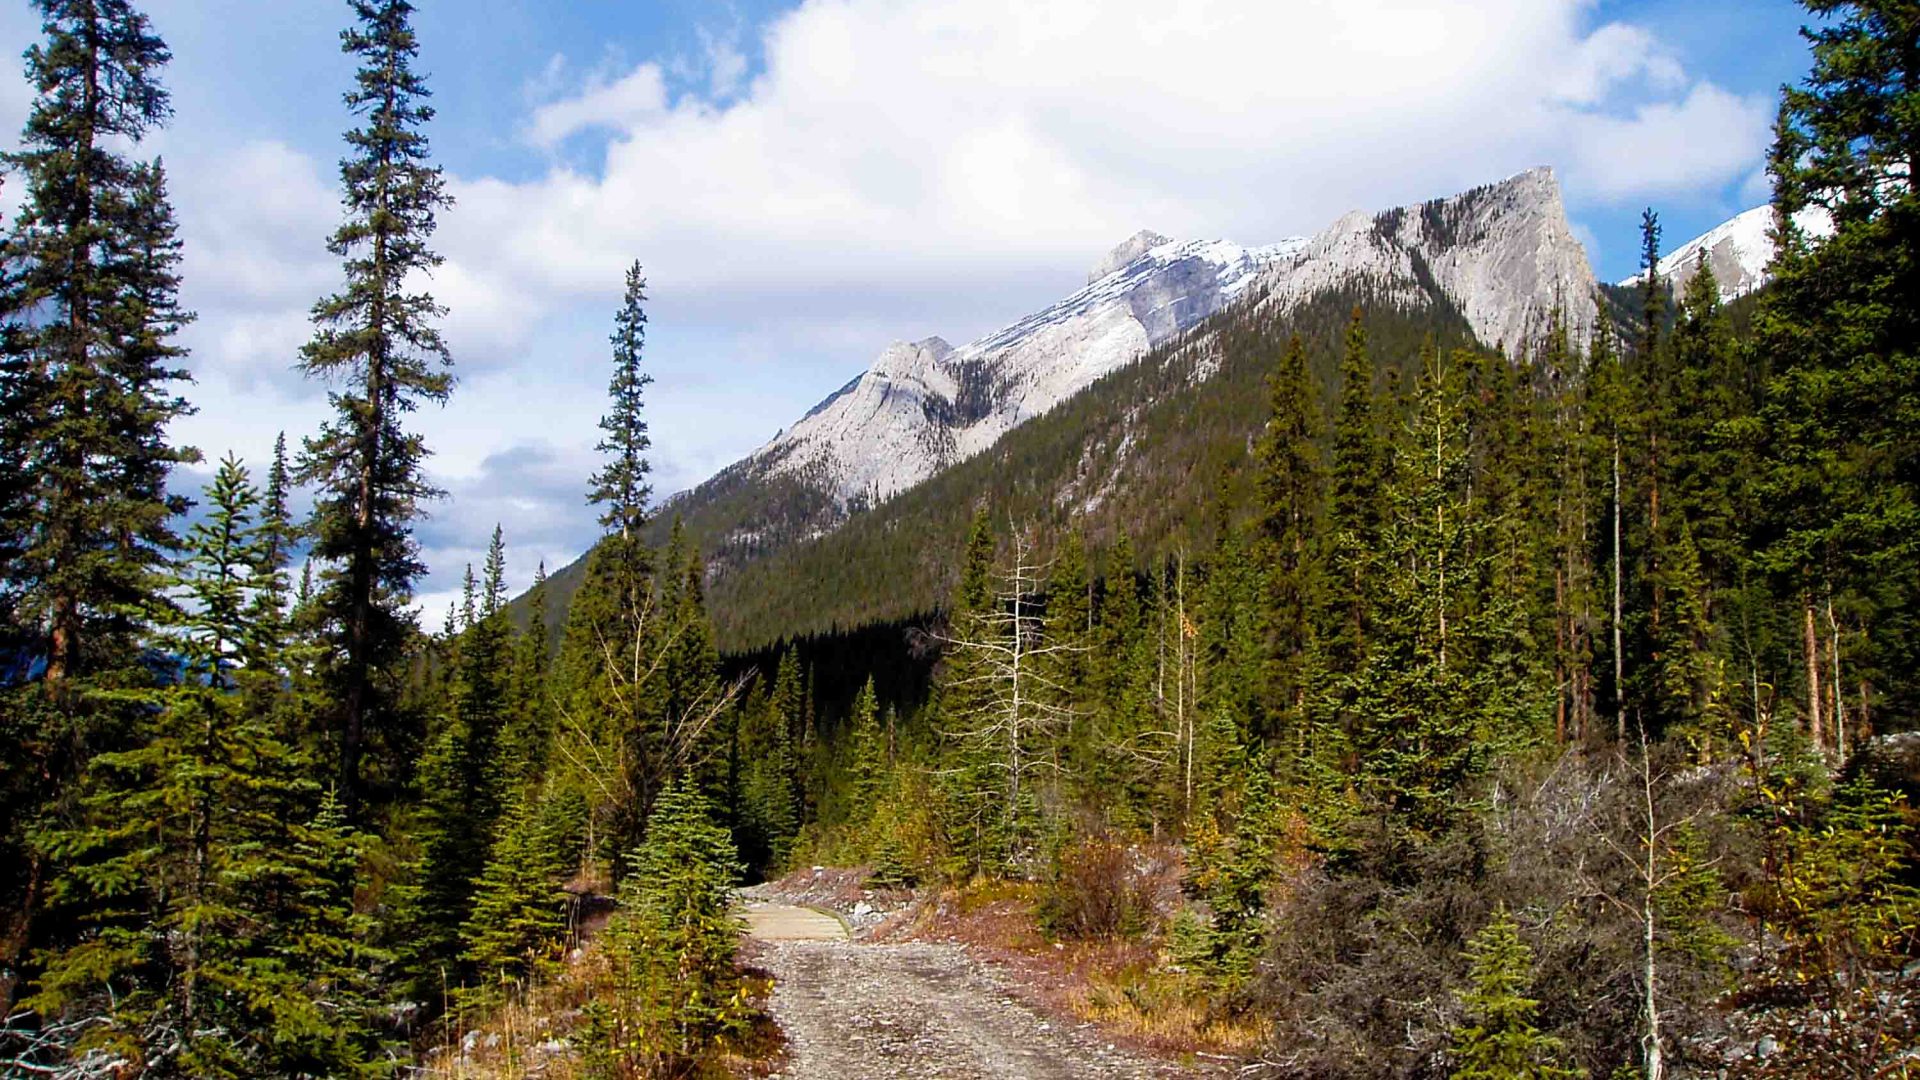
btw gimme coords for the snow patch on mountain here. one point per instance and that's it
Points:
(1502, 255)
(1738, 251)
(923, 406)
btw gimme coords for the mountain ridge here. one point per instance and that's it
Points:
(1502, 253)
(1498, 261)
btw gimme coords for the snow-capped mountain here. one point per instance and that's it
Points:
(1738, 251)
(924, 405)
(1503, 255)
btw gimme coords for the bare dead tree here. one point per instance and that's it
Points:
(1653, 864)
(1016, 702)
(608, 746)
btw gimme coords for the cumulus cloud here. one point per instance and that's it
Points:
(632, 99)
(1670, 148)
(913, 148)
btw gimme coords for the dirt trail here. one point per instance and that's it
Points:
(855, 1011)
(770, 921)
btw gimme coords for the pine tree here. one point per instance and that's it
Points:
(90, 314)
(769, 813)
(205, 863)
(518, 916)
(670, 950)
(1444, 685)
(1292, 491)
(694, 704)
(277, 536)
(530, 706)
(1499, 1040)
(1356, 508)
(1609, 400)
(463, 779)
(620, 733)
(1839, 484)
(1237, 893)
(621, 484)
(867, 758)
(1070, 625)
(378, 341)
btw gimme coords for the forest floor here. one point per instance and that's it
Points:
(856, 1002)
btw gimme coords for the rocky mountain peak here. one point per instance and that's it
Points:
(1503, 254)
(1738, 251)
(1128, 250)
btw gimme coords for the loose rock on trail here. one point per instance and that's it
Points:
(859, 1011)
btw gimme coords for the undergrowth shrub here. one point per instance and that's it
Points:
(1095, 892)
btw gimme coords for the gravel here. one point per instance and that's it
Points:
(854, 1011)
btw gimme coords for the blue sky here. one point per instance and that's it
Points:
(805, 183)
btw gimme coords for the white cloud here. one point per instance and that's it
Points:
(632, 99)
(1695, 145)
(1614, 54)
(912, 149)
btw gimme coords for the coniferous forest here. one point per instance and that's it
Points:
(1541, 709)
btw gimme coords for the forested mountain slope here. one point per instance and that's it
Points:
(1147, 381)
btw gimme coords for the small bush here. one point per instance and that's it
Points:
(1095, 892)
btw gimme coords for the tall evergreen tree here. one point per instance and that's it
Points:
(1356, 508)
(87, 298)
(621, 484)
(530, 706)
(616, 630)
(464, 788)
(867, 757)
(1840, 477)
(1292, 486)
(204, 863)
(378, 341)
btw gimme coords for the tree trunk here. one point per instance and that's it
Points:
(1839, 687)
(1815, 729)
(1619, 651)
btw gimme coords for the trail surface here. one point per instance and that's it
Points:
(854, 1011)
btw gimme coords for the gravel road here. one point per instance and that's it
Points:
(854, 1011)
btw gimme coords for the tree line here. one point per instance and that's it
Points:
(256, 821)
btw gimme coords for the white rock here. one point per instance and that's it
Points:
(1503, 254)
(1738, 250)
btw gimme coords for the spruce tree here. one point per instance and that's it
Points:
(530, 706)
(694, 706)
(616, 632)
(1499, 1040)
(464, 785)
(867, 758)
(1069, 624)
(621, 483)
(769, 813)
(378, 342)
(1292, 487)
(1444, 684)
(87, 299)
(670, 949)
(204, 862)
(1355, 504)
(518, 918)
(1839, 484)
